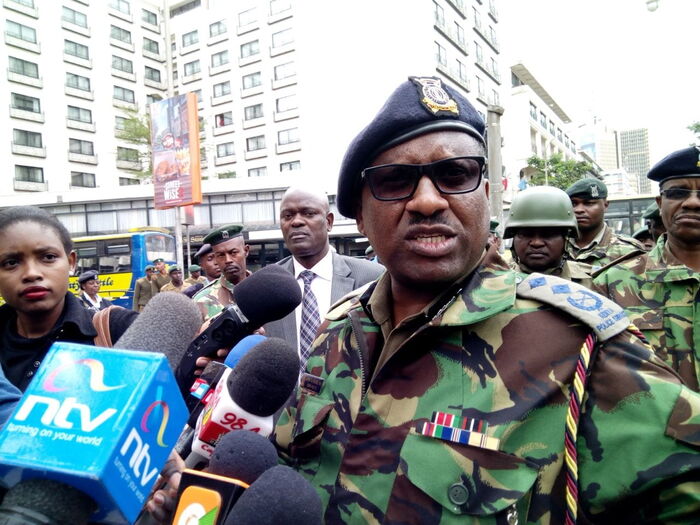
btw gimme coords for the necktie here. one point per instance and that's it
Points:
(310, 318)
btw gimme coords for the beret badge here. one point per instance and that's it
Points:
(434, 97)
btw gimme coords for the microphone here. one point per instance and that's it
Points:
(102, 421)
(248, 395)
(167, 324)
(269, 294)
(238, 460)
(279, 495)
(32, 502)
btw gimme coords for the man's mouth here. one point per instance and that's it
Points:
(431, 239)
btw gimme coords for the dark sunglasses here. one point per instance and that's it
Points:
(393, 182)
(679, 194)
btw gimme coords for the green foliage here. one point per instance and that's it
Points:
(695, 128)
(557, 172)
(137, 131)
(227, 175)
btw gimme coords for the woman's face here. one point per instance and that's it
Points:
(34, 268)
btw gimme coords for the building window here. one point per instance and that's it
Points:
(175, 11)
(190, 39)
(461, 71)
(151, 46)
(83, 180)
(198, 92)
(551, 127)
(217, 28)
(255, 143)
(459, 34)
(477, 18)
(285, 70)
(125, 181)
(20, 31)
(252, 80)
(543, 120)
(28, 3)
(122, 64)
(257, 172)
(120, 123)
(224, 150)
(75, 49)
(26, 138)
(74, 17)
(29, 174)
(152, 74)
(77, 82)
(250, 49)
(278, 6)
(290, 166)
(439, 13)
(253, 112)
(83, 147)
(288, 136)
(440, 54)
(479, 53)
(224, 88)
(151, 99)
(23, 67)
(127, 154)
(559, 134)
(287, 103)
(495, 98)
(120, 34)
(533, 112)
(248, 16)
(282, 38)
(492, 36)
(223, 119)
(191, 68)
(26, 103)
(79, 114)
(121, 5)
(124, 94)
(219, 59)
(149, 17)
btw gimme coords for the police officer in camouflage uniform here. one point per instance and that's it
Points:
(444, 392)
(229, 246)
(660, 291)
(597, 245)
(652, 219)
(540, 220)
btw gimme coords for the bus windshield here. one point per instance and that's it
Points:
(159, 246)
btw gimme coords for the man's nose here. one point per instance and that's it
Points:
(426, 200)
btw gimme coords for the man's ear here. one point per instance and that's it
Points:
(329, 220)
(247, 250)
(359, 220)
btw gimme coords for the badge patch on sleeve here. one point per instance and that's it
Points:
(434, 96)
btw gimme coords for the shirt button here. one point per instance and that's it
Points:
(36, 364)
(458, 494)
(30, 373)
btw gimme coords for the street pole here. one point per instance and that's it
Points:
(493, 126)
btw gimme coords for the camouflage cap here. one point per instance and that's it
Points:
(174, 268)
(418, 106)
(652, 212)
(223, 234)
(679, 164)
(195, 268)
(88, 276)
(588, 188)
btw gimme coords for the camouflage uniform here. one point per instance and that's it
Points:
(494, 352)
(661, 296)
(213, 297)
(611, 247)
(579, 273)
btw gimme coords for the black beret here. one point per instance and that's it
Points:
(588, 188)
(203, 250)
(223, 234)
(87, 276)
(420, 105)
(679, 164)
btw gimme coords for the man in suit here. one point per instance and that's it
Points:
(305, 221)
(145, 288)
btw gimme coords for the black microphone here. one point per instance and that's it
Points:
(268, 295)
(279, 495)
(45, 502)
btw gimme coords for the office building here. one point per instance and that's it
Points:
(633, 151)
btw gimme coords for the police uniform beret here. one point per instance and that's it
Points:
(588, 188)
(203, 250)
(420, 105)
(223, 234)
(652, 212)
(149, 267)
(195, 268)
(679, 164)
(174, 268)
(158, 260)
(87, 276)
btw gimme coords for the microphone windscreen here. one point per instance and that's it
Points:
(269, 294)
(58, 501)
(167, 325)
(265, 377)
(243, 455)
(242, 348)
(279, 495)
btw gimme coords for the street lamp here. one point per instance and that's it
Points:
(652, 5)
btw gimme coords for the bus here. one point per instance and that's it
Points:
(120, 259)
(624, 214)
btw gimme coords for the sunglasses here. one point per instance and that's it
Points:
(394, 182)
(679, 194)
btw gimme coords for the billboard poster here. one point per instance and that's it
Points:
(175, 147)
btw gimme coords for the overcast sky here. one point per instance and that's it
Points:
(614, 59)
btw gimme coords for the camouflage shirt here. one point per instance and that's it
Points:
(662, 298)
(571, 271)
(611, 246)
(490, 354)
(213, 297)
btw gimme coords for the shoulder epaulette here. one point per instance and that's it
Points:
(204, 289)
(605, 317)
(622, 258)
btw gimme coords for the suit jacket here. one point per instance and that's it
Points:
(348, 275)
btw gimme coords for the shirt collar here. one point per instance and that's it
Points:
(322, 269)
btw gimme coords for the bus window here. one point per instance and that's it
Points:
(115, 256)
(87, 257)
(160, 247)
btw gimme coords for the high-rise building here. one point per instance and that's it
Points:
(633, 147)
(282, 87)
(600, 142)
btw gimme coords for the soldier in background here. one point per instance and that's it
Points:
(597, 245)
(195, 275)
(176, 283)
(206, 258)
(160, 273)
(652, 219)
(660, 291)
(644, 236)
(540, 220)
(145, 288)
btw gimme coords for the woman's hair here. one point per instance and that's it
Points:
(10, 216)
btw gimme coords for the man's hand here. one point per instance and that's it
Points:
(161, 505)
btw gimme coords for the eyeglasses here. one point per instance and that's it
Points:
(679, 194)
(394, 182)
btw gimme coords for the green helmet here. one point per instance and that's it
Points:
(541, 207)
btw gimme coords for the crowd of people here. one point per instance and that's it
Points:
(454, 382)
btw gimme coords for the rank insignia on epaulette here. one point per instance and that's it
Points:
(310, 383)
(467, 431)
